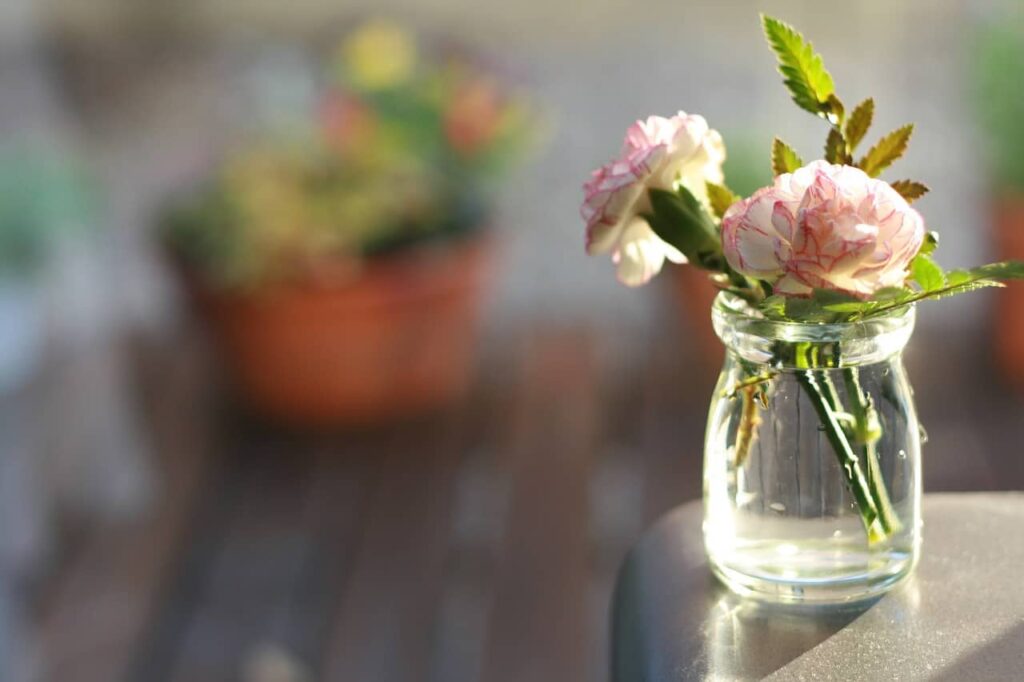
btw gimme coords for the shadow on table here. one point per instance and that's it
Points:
(693, 627)
(717, 634)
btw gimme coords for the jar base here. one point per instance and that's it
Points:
(817, 590)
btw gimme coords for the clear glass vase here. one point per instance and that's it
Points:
(812, 479)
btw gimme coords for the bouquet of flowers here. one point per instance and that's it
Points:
(827, 243)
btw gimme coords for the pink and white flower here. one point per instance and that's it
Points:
(657, 153)
(824, 226)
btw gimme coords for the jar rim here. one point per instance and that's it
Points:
(754, 337)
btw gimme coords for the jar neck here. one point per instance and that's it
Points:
(796, 345)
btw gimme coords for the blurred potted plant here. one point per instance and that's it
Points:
(341, 270)
(999, 73)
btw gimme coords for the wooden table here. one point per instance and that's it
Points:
(480, 543)
(959, 617)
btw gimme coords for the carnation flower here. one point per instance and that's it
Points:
(658, 153)
(824, 226)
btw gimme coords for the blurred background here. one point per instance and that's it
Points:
(303, 372)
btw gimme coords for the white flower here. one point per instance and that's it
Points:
(657, 154)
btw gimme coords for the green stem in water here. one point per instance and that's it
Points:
(822, 395)
(867, 431)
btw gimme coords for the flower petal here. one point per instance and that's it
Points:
(640, 255)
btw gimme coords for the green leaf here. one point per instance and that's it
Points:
(835, 148)
(957, 277)
(823, 305)
(927, 273)
(836, 111)
(892, 294)
(721, 198)
(831, 297)
(802, 69)
(960, 282)
(774, 307)
(1011, 269)
(886, 151)
(851, 306)
(805, 309)
(679, 219)
(826, 305)
(958, 289)
(859, 122)
(931, 242)
(784, 159)
(910, 190)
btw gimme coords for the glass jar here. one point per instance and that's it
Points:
(812, 478)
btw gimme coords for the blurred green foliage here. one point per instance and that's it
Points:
(747, 166)
(998, 77)
(42, 194)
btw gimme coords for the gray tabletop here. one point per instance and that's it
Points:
(960, 617)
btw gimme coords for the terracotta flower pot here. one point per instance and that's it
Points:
(1008, 221)
(397, 339)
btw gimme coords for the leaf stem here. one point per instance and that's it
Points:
(949, 290)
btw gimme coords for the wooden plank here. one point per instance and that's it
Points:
(255, 588)
(95, 610)
(480, 506)
(384, 629)
(538, 625)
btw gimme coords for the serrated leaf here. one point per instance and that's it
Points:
(802, 69)
(886, 298)
(927, 273)
(721, 198)
(1010, 269)
(956, 277)
(961, 282)
(851, 307)
(892, 294)
(679, 219)
(774, 307)
(830, 297)
(964, 288)
(839, 302)
(910, 189)
(836, 113)
(886, 151)
(1003, 270)
(823, 305)
(930, 243)
(832, 306)
(859, 122)
(801, 308)
(835, 148)
(784, 159)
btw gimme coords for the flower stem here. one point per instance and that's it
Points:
(867, 431)
(825, 401)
